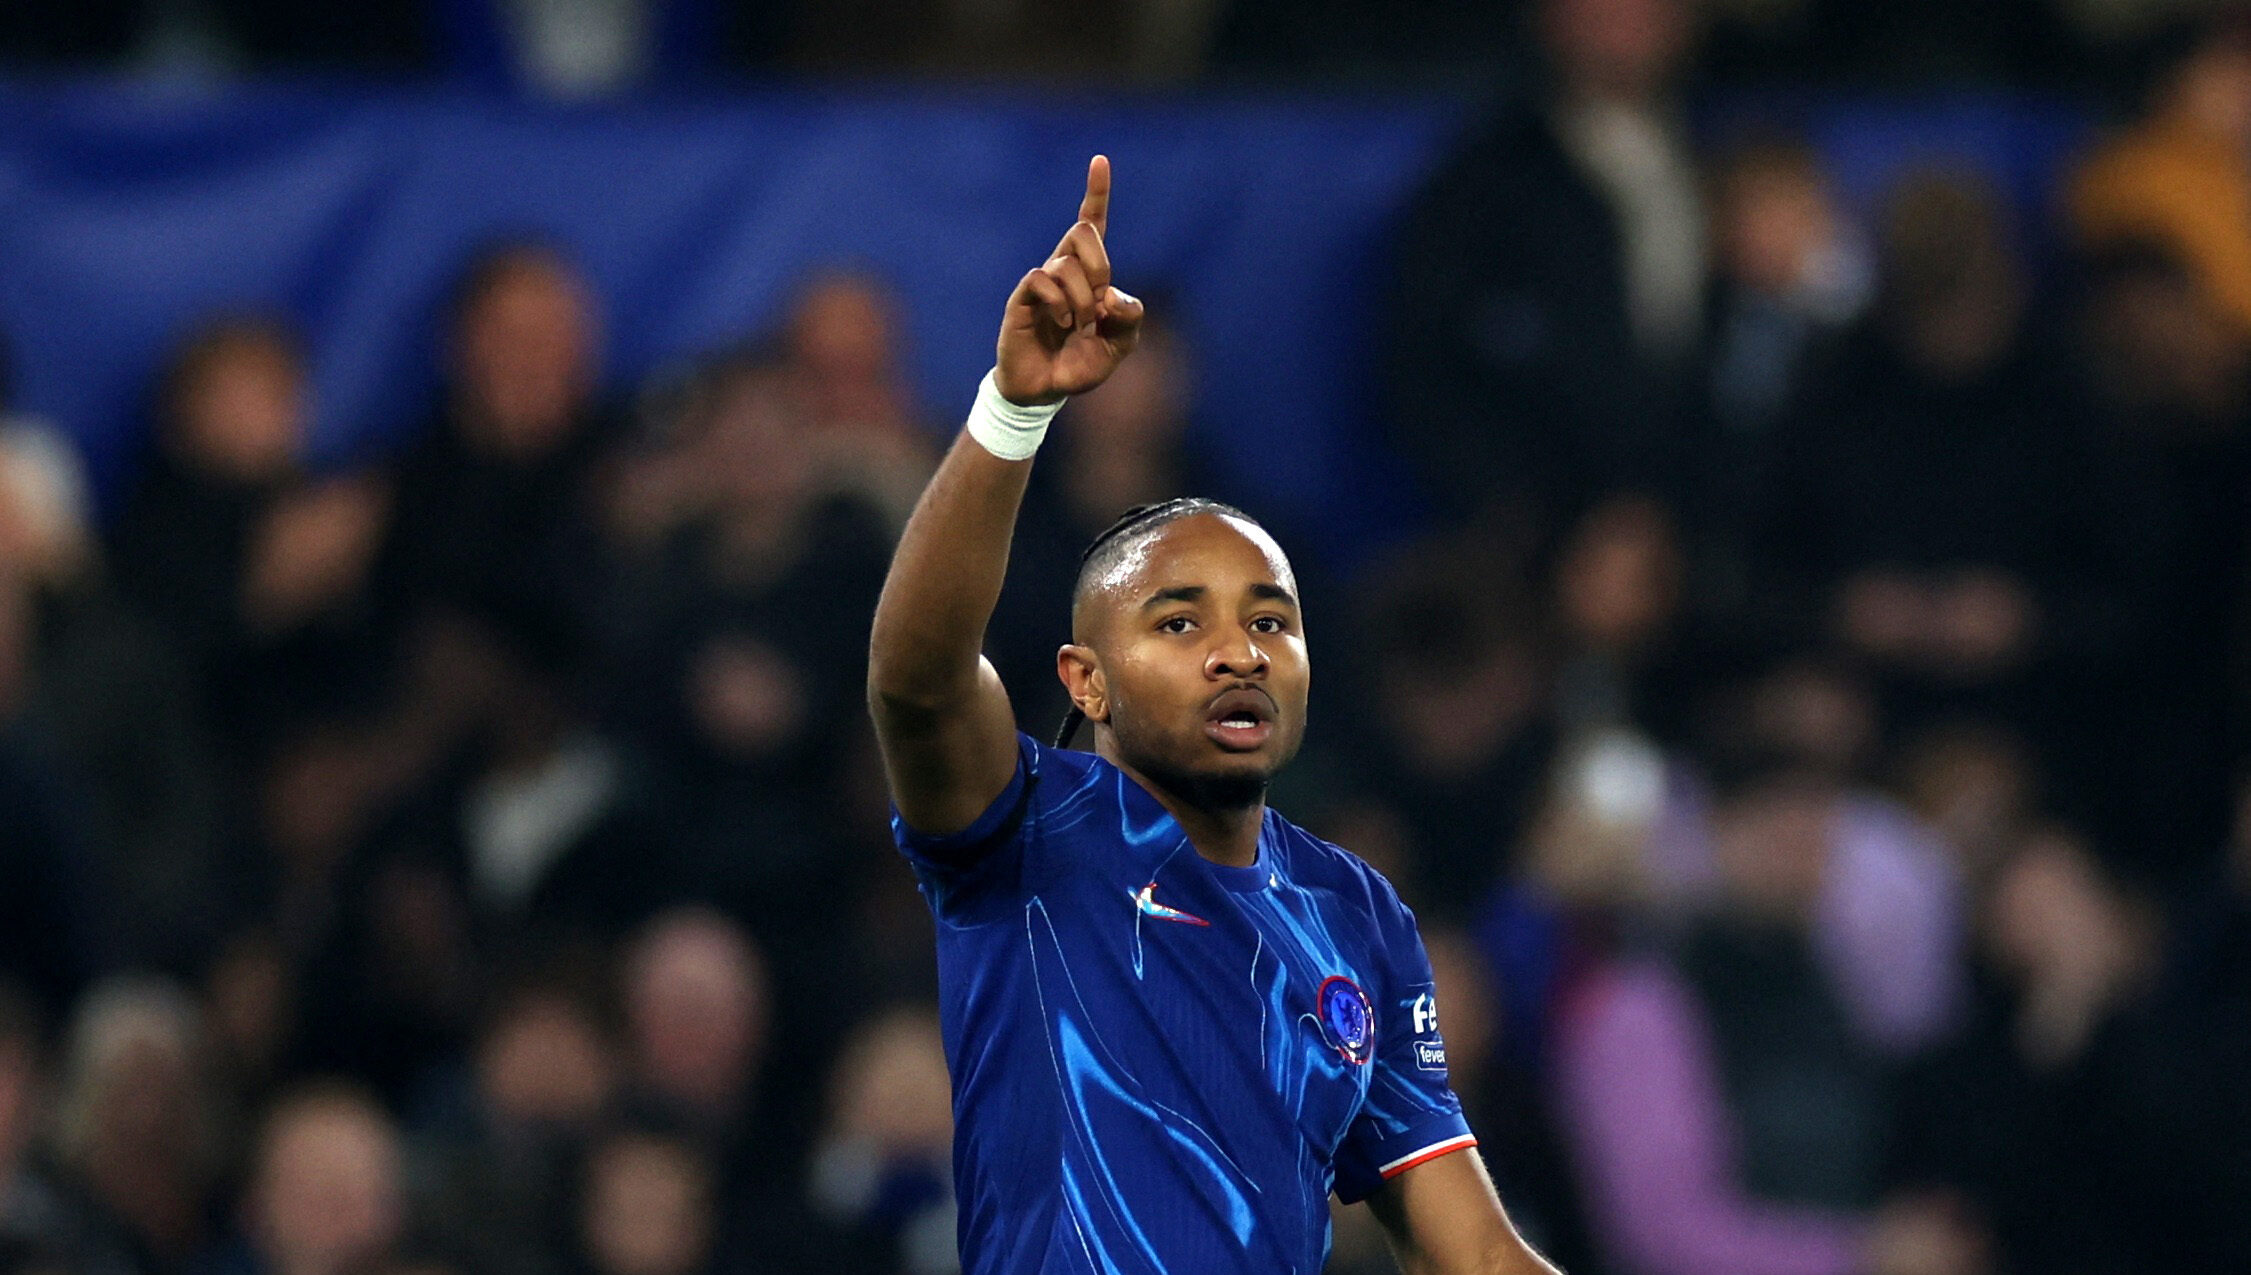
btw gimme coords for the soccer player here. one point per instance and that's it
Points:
(1176, 1022)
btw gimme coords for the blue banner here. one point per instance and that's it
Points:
(127, 212)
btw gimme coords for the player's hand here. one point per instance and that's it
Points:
(1066, 328)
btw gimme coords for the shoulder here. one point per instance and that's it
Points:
(1063, 771)
(1320, 864)
(1077, 796)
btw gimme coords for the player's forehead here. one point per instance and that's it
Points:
(1208, 551)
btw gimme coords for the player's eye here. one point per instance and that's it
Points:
(1175, 624)
(1269, 624)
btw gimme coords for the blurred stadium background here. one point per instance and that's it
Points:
(1770, 476)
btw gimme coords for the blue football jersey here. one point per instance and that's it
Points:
(1164, 1064)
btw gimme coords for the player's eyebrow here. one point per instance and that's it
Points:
(1274, 592)
(1178, 593)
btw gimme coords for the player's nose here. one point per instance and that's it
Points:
(1237, 656)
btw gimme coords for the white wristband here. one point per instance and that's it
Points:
(1008, 430)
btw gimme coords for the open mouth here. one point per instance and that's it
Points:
(1240, 720)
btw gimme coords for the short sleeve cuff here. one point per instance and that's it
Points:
(1365, 1167)
(954, 852)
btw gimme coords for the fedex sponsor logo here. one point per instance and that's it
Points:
(1425, 1011)
(1430, 1053)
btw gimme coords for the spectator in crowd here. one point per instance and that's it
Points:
(1972, 783)
(1789, 272)
(696, 1005)
(247, 576)
(252, 566)
(1618, 604)
(326, 1194)
(648, 1205)
(50, 912)
(491, 536)
(488, 764)
(136, 1136)
(1722, 1110)
(1934, 497)
(246, 993)
(1887, 914)
(46, 503)
(752, 568)
(2167, 380)
(2180, 177)
(33, 1221)
(391, 973)
(701, 1057)
(1549, 287)
(845, 348)
(545, 1073)
(882, 1172)
(1457, 700)
(2068, 1065)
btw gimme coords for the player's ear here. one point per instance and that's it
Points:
(1082, 676)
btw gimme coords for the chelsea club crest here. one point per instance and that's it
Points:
(1348, 1021)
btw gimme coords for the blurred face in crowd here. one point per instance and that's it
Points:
(1975, 787)
(1771, 845)
(890, 1087)
(246, 1001)
(326, 1198)
(2160, 344)
(1619, 580)
(525, 356)
(135, 1088)
(1143, 407)
(1775, 220)
(1616, 48)
(845, 330)
(752, 440)
(1190, 647)
(1815, 714)
(747, 698)
(1953, 288)
(696, 1004)
(1455, 683)
(648, 1207)
(545, 1062)
(238, 403)
(2212, 88)
(135, 1120)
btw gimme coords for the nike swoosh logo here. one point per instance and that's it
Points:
(1150, 907)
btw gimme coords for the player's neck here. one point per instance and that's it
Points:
(1224, 831)
(1227, 837)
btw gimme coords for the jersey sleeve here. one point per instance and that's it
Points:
(967, 875)
(1411, 1114)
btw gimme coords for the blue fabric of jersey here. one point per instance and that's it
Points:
(1160, 1063)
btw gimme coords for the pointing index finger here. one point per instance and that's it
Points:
(1095, 207)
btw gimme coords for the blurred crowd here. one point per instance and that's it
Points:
(577, 48)
(1809, 726)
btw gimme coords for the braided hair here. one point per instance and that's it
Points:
(1104, 550)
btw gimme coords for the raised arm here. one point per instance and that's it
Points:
(941, 715)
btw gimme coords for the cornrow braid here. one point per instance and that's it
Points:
(1139, 518)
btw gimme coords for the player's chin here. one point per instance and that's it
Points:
(1238, 760)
